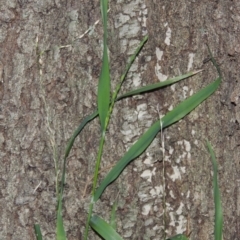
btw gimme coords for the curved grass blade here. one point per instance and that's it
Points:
(78, 130)
(144, 141)
(155, 86)
(178, 237)
(104, 80)
(104, 229)
(61, 234)
(38, 232)
(217, 198)
(147, 88)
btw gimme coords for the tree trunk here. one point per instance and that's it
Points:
(49, 69)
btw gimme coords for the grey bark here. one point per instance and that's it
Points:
(48, 83)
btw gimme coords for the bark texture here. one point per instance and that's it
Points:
(48, 83)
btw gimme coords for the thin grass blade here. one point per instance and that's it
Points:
(95, 113)
(150, 87)
(217, 198)
(78, 130)
(38, 232)
(144, 141)
(156, 86)
(113, 222)
(61, 234)
(104, 229)
(104, 80)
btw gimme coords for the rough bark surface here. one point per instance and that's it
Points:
(48, 83)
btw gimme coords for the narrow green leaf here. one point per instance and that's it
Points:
(61, 235)
(178, 237)
(147, 88)
(158, 85)
(113, 222)
(217, 198)
(144, 141)
(95, 113)
(104, 229)
(104, 80)
(78, 130)
(38, 232)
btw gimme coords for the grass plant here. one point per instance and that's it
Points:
(105, 105)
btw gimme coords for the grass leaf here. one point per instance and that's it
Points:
(113, 222)
(144, 141)
(61, 235)
(38, 232)
(147, 88)
(155, 86)
(217, 198)
(78, 130)
(104, 80)
(104, 229)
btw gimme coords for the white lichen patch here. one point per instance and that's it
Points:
(196, 142)
(161, 77)
(142, 107)
(176, 173)
(187, 145)
(191, 92)
(185, 90)
(180, 209)
(170, 108)
(173, 87)
(148, 160)
(156, 191)
(168, 36)
(159, 54)
(171, 150)
(146, 209)
(183, 169)
(181, 225)
(172, 194)
(129, 131)
(136, 80)
(142, 112)
(190, 61)
(178, 222)
(129, 30)
(120, 20)
(147, 174)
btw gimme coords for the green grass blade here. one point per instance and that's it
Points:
(156, 86)
(144, 141)
(38, 232)
(178, 237)
(104, 80)
(61, 235)
(95, 113)
(104, 229)
(113, 222)
(78, 130)
(217, 198)
(150, 87)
